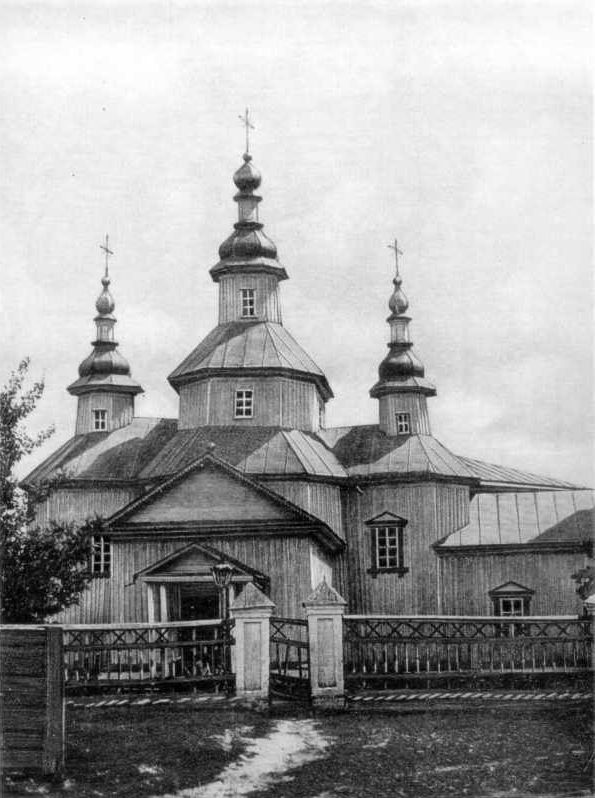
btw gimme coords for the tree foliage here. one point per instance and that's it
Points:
(44, 569)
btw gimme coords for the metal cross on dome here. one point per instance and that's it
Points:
(108, 252)
(248, 125)
(398, 252)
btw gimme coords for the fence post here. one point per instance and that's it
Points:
(251, 611)
(324, 611)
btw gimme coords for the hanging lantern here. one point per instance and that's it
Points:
(222, 573)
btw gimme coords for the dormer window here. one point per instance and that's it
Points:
(403, 423)
(100, 420)
(248, 302)
(244, 403)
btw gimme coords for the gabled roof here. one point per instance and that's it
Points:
(250, 346)
(536, 518)
(123, 518)
(500, 476)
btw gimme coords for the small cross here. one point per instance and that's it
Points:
(248, 125)
(108, 252)
(398, 252)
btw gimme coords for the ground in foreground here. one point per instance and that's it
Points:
(190, 753)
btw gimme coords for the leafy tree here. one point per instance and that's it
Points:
(42, 570)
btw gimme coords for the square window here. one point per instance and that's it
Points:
(244, 403)
(403, 423)
(248, 302)
(99, 420)
(101, 555)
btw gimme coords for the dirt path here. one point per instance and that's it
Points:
(265, 762)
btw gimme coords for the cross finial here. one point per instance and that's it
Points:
(248, 125)
(398, 252)
(108, 252)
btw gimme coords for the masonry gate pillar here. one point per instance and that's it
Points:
(324, 611)
(251, 611)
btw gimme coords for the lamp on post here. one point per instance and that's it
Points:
(222, 573)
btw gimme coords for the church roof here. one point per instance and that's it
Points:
(527, 517)
(249, 345)
(153, 448)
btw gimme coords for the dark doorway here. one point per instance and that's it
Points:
(198, 602)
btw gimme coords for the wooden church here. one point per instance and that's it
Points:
(250, 474)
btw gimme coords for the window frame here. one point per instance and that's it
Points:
(388, 555)
(403, 419)
(100, 561)
(243, 415)
(513, 592)
(248, 302)
(99, 419)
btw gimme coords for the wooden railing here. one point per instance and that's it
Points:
(118, 655)
(384, 650)
(289, 657)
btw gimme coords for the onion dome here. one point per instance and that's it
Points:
(105, 302)
(401, 370)
(248, 250)
(105, 368)
(247, 178)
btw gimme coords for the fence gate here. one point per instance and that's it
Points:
(290, 659)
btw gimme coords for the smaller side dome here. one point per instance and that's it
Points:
(400, 364)
(105, 302)
(108, 361)
(398, 303)
(247, 177)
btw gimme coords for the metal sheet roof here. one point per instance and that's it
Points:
(527, 517)
(250, 345)
(489, 473)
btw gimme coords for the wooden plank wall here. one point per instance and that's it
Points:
(466, 580)
(32, 711)
(119, 599)
(414, 404)
(278, 402)
(266, 297)
(120, 410)
(86, 501)
(318, 498)
(433, 511)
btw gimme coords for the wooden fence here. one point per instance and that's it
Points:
(119, 655)
(32, 705)
(388, 650)
(289, 657)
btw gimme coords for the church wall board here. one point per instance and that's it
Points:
(83, 502)
(467, 578)
(432, 510)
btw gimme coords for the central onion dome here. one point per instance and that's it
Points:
(248, 247)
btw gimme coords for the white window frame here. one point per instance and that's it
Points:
(517, 609)
(388, 543)
(99, 420)
(101, 555)
(403, 421)
(244, 403)
(248, 300)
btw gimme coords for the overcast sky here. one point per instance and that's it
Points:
(463, 128)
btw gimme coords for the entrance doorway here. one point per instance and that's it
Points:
(199, 602)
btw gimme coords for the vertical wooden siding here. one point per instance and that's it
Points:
(278, 402)
(466, 580)
(119, 407)
(414, 404)
(78, 504)
(318, 498)
(432, 510)
(266, 297)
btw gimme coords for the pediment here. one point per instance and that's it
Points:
(386, 518)
(194, 562)
(510, 589)
(209, 492)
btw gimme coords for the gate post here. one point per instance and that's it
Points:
(251, 611)
(324, 611)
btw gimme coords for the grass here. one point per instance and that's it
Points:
(149, 751)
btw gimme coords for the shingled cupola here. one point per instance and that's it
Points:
(249, 371)
(402, 389)
(105, 388)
